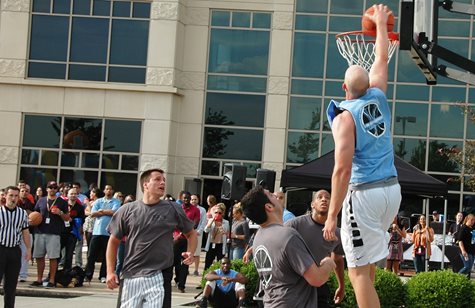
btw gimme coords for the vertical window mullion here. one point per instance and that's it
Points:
(109, 38)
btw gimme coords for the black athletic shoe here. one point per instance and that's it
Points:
(50, 285)
(36, 284)
(203, 303)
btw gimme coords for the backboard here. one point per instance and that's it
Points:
(418, 24)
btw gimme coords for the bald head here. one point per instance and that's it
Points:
(356, 81)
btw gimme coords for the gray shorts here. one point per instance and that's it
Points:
(47, 244)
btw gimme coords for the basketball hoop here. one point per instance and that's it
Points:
(357, 47)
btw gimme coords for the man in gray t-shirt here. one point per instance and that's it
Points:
(310, 227)
(287, 270)
(148, 225)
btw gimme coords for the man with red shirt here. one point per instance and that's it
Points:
(180, 243)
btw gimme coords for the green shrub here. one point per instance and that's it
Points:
(247, 269)
(440, 289)
(391, 291)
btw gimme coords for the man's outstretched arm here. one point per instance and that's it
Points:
(378, 75)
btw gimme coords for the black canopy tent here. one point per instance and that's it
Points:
(317, 174)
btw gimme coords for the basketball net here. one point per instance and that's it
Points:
(357, 47)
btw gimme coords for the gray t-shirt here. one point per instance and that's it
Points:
(149, 228)
(281, 258)
(312, 233)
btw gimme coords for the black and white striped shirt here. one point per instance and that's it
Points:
(12, 223)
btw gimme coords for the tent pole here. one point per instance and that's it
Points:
(426, 207)
(444, 228)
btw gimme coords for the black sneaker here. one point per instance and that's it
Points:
(203, 303)
(242, 303)
(50, 285)
(36, 284)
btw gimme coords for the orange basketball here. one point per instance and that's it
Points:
(35, 218)
(368, 25)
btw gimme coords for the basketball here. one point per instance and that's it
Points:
(35, 218)
(368, 25)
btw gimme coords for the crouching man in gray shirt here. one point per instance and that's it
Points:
(287, 270)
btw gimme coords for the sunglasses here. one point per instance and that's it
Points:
(52, 187)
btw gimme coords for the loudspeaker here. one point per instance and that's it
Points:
(234, 182)
(266, 179)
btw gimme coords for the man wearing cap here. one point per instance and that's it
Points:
(436, 224)
(48, 234)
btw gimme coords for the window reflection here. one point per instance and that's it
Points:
(122, 136)
(451, 116)
(82, 176)
(312, 6)
(30, 157)
(302, 147)
(410, 119)
(110, 161)
(41, 131)
(82, 133)
(233, 143)
(49, 158)
(305, 113)
(412, 151)
(130, 162)
(124, 182)
(437, 160)
(209, 167)
(309, 50)
(245, 110)
(70, 159)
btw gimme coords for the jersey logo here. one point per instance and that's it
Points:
(263, 263)
(372, 120)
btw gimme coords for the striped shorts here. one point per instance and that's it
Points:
(146, 292)
(367, 215)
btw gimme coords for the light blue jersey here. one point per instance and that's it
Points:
(373, 159)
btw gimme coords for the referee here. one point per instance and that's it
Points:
(13, 225)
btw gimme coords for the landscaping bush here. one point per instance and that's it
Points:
(440, 289)
(247, 269)
(390, 289)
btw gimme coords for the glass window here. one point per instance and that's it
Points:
(327, 143)
(312, 6)
(444, 116)
(127, 74)
(61, 6)
(209, 167)
(141, 10)
(120, 181)
(121, 9)
(309, 50)
(46, 70)
(405, 92)
(37, 177)
(82, 133)
(470, 128)
(344, 24)
(305, 113)
(347, 7)
(49, 158)
(448, 94)
(110, 161)
(41, 6)
(234, 83)
(235, 109)
(307, 87)
(310, 22)
(30, 157)
(302, 147)
(453, 28)
(89, 40)
(437, 160)
(334, 89)
(261, 20)
(453, 182)
(251, 170)
(101, 7)
(49, 38)
(336, 64)
(407, 69)
(241, 19)
(82, 7)
(412, 151)
(122, 136)
(87, 72)
(126, 33)
(41, 131)
(411, 119)
(130, 162)
(69, 159)
(228, 143)
(85, 177)
(230, 52)
(90, 160)
(220, 18)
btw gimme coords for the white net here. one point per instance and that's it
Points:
(358, 48)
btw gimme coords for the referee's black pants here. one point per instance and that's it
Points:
(10, 264)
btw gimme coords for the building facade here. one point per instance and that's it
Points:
(96, 91)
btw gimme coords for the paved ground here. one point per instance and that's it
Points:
(94, 294)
